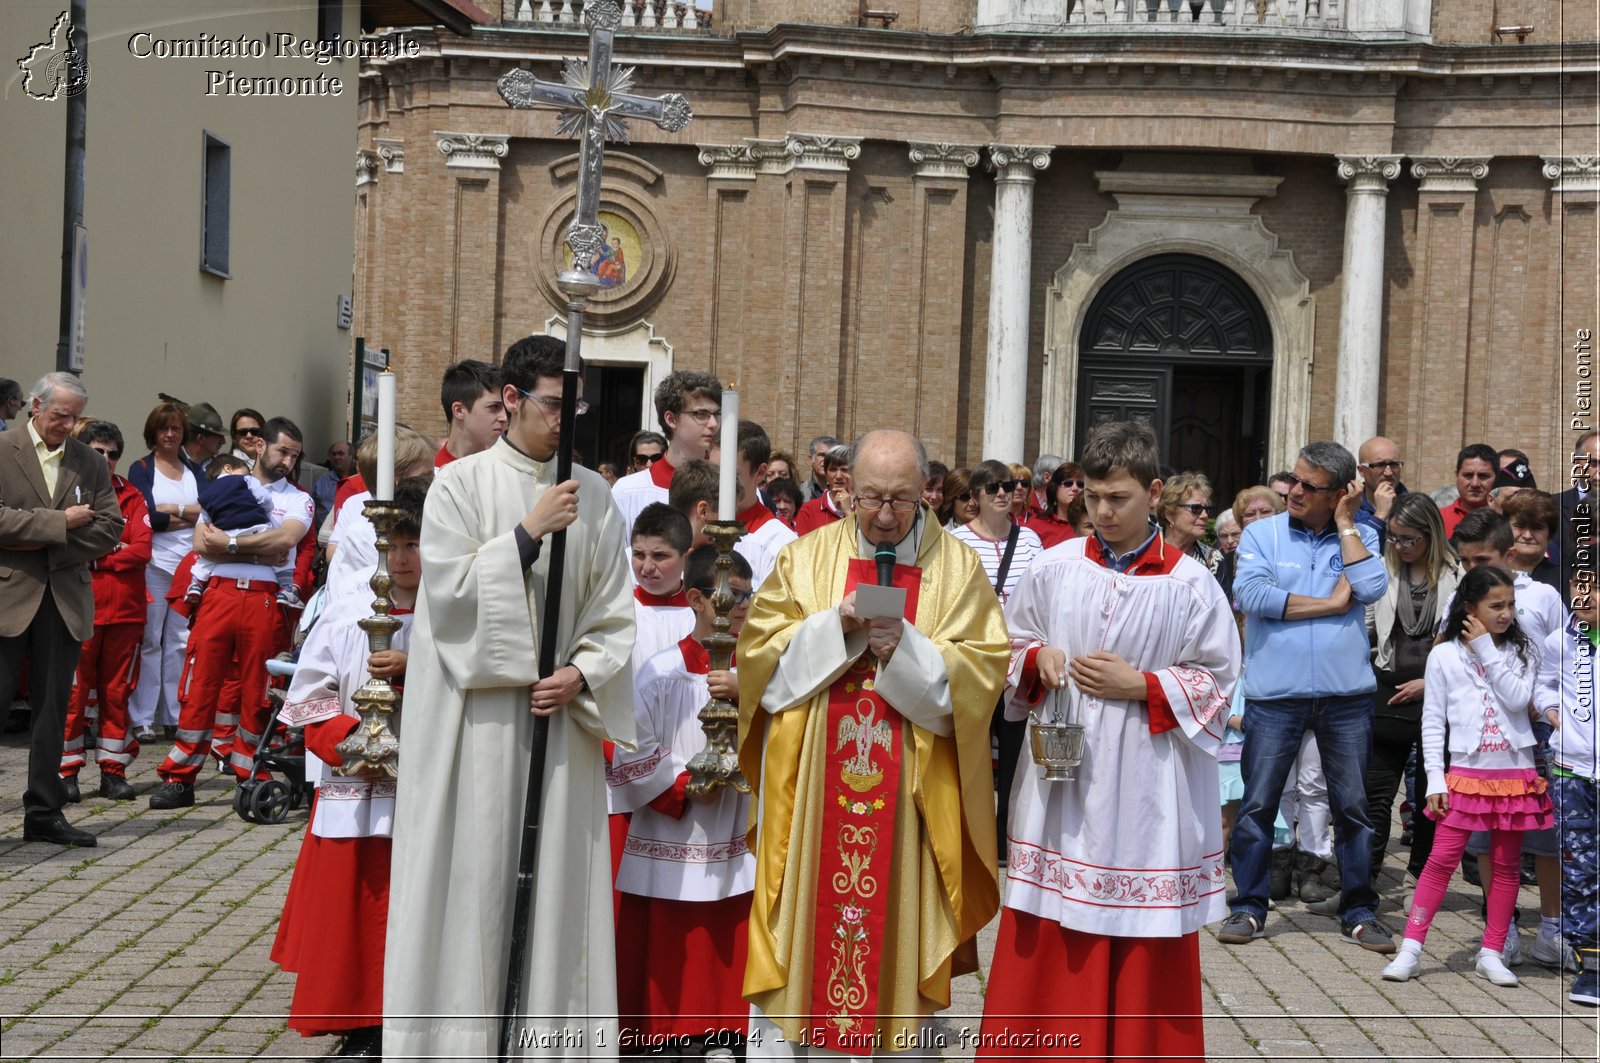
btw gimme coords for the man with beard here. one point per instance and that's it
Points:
(239, 621)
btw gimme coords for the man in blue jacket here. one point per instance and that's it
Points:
(1303, 579)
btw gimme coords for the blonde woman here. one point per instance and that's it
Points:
(1185, 510)
(1423, 574)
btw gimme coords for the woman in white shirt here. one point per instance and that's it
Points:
(172, 495)
(990, 532)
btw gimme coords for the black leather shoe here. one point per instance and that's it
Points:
(70, 784)
(57, 831)
(173, 795)
(116, 787)
(365, 1043)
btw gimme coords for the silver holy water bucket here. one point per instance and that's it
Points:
(1057, 744)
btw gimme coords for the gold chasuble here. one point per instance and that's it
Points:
(866, 903)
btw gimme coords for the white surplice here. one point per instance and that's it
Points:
(702, 856)
(1132, 846)
(656, 627)
(464, 754)
(332, 667)
(635, 491)
(356, 555)
(761, 543)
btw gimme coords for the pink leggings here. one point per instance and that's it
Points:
(1505, 852)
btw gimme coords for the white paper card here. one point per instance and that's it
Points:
(880, 603)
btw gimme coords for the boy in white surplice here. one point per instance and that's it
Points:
(686, 870)
(1113, 872)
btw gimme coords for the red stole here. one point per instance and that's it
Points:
(679, 597)
(861, 785)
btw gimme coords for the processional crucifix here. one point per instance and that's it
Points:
(594, 99)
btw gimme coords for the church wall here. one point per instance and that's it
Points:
(1469, 21)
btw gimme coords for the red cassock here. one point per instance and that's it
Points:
(334, 919)
(1121, 998)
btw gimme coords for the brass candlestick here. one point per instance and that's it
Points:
(718, 763)
(372, 746)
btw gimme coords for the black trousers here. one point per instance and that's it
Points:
(1011, 734)
(1393, 738)
(54, 655)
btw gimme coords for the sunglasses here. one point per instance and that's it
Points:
(1070, 483)
(1199, 509)
(965, 496)
(1381, 465)
(641, 460)
(112, 454)
(1002, 485)
(237, 432)
(1307, 486)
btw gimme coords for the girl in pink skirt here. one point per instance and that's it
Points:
(1477, 692)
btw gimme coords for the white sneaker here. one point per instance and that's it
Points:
(1492, 967)
(1404, 967)
(1512, 953)
(1552, 952)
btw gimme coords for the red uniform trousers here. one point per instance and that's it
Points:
(107, 667)
(1123, 998)
(235, 624)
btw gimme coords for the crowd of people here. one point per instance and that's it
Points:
(1280, 671)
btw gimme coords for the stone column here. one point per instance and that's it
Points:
(1355, 409)
(938, 240)
(1005, 380)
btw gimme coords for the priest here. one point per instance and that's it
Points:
(867, 743)
(472, 679)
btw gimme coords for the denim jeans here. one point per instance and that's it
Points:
(1273, 729)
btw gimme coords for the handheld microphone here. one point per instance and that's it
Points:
(885, 557)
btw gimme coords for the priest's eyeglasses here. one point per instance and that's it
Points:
(868, 504)
(550, 403)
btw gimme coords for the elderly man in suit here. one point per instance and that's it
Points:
(57, 514)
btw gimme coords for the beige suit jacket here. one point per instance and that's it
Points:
(37, 552)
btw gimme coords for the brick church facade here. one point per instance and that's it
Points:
(1249, 222)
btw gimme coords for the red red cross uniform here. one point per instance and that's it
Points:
(108, 667)
(238, 628)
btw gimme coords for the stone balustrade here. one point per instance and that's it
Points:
(666, 15)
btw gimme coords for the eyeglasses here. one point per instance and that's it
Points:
(112, 454)
(702, 416)
(868, 504)
(739, 597)
(550, 403)
(1307, 486)
(1199, 509)
(258, 433)
(1382, 465)
(965, 496)
(1406, 542)
(641, 460)
(1002, 485)
(1070, 483)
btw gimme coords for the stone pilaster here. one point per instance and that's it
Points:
(1005, 393)
(938, 241)
(472, 151)
(471, 242)
(1355, 411)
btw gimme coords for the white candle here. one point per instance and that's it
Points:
(384, 489)
(727, 485)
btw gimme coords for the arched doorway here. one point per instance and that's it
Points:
(1181, 343)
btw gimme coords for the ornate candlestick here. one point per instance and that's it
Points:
(718, 763)
(372, 746)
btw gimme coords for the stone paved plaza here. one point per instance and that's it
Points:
(154, 946)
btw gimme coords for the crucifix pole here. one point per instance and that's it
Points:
(593, 98)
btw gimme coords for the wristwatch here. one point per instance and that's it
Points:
(233, 544)
(1350, 531)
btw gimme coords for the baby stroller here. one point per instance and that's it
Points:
(271, 800)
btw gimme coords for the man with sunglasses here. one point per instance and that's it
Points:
(1303, 577)
(689, 410)
(866, 743)
(474, 669)
(1379, 463)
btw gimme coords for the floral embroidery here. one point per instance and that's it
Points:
(622, 774)
(304, 712)
(1131, 888)
(686, 852)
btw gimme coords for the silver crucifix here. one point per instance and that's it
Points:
(595, 99)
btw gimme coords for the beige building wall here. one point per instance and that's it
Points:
(266, 337)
